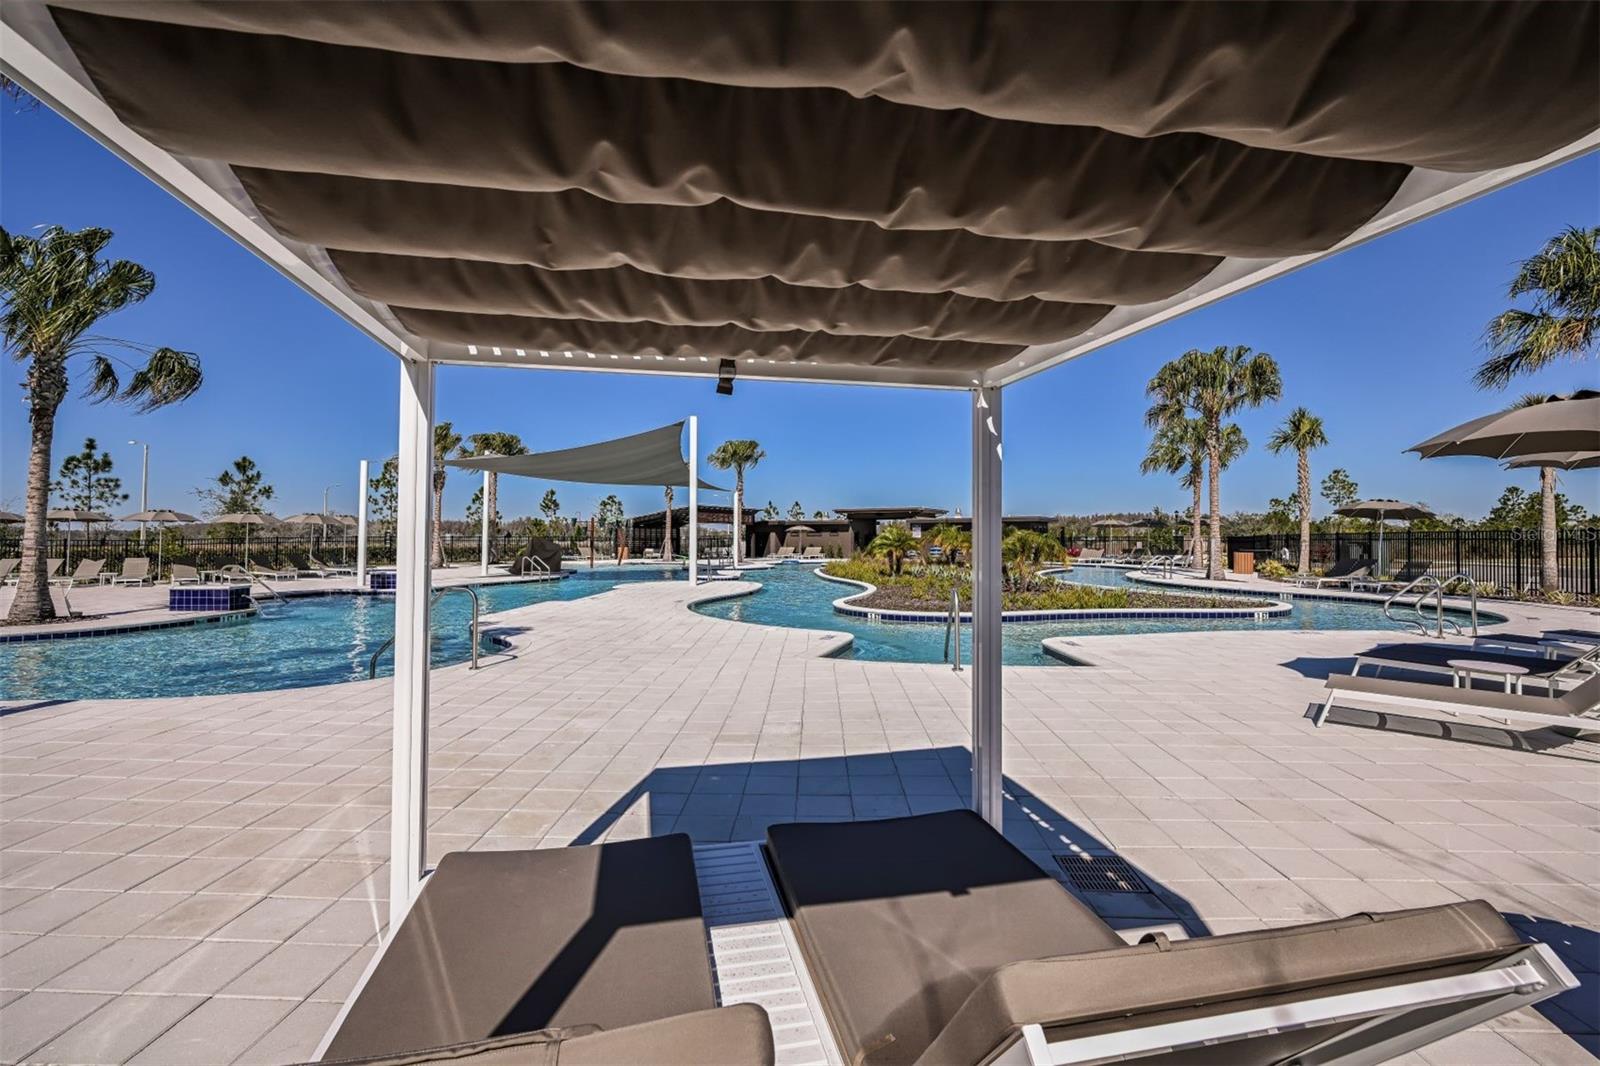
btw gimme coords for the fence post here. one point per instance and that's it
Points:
(1459, 568)
(1516, 559)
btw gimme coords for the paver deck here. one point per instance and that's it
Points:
(201, 879)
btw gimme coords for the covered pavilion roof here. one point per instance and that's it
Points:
(659, 187)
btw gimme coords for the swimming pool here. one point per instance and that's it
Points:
(313, 640)
(794, 596)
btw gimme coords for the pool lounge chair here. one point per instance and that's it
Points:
(1340, 573)
(785, 552)
(535, 949)
(184, 574)
(6, 567)
(1409, 571)
(1089, 555)
(1436, 659)
(330, 569)
(813, 552)
(135, 571)
(1573, 709)
(87, 572)
(278, 573)
(1550, 646)
(934, 940)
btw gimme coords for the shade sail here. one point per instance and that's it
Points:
(660, 186)
(654, 457)
(1571, 425)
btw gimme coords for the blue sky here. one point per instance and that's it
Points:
(1379, 341)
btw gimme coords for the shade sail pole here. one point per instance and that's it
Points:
(409, 812)
(694, 500)
(361, 526)
(987, 768)
(483, 537)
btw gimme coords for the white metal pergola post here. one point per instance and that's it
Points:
(483, 537)
(694, 500)
(361, 526)
(408, 832)
(987, 763)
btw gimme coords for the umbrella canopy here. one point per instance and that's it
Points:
(307, 518)
(245, 518)
(1562, 460)
(348, 521)
(159, 515)
(75, 514)
(802, 528)
(1566, 425)
(10, 516)
(1382, 509)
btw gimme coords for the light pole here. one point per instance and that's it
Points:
(144, 484)
(322, 530)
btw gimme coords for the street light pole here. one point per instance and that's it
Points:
(322, 530)
(144, 485)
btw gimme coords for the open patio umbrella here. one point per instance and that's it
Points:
(246, 519)
(1569, 425)
(8, 517)
(1379, 510)
(160, 517)
(309, 518)
(801, 530)
(70, 515)
(1560, 460)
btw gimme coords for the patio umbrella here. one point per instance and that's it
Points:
(161, 517)
(1378, 510)
(308, 518)
(802, 529)
(246, 519)
(1560, 460)
(1569, 425)
(69, 515)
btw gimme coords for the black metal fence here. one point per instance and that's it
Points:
(1507, 558)
(280, 549)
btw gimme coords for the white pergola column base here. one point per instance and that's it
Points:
(987, 762)
(361, 526)
(408, 831)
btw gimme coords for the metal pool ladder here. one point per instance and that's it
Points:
(372, 666)
(1435, 591)
(952, 626)
(529, 563)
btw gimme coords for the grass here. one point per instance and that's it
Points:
(928, 589)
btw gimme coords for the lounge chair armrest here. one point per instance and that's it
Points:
(1158, 982)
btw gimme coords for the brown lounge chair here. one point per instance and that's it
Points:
(1340, 573)
(135, 571)
(6, 566)
(517, 956)
(1570, 710)
(933, 940)
(184, 574)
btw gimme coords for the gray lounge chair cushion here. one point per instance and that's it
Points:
(900, 920)
(503, 942)
(1161, 982)
(1578, 700)
(739, 1034)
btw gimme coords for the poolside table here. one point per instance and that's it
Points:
(1463, 669)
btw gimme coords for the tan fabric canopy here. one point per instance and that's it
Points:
(877, 186)
(654, 457)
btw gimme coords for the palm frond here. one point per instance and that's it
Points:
(168, 377)
(103, 381)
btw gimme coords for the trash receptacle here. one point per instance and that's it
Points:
(1244, 562)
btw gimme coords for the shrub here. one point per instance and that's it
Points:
(1272, 570)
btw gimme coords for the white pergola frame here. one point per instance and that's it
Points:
(33, 54)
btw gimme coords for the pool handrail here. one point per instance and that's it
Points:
(1472, 592)
(372, 665)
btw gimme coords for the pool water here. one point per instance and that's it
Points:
(315, 640)
(794, 596)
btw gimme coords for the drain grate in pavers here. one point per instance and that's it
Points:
(1101, 873)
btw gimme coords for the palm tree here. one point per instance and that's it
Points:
(738, 456)
(1179, 447)
(1213, 385)
(1024, 550)
(942, 537)
(1564, 278)
(1549, 565)
(893, 543)
(446, 442)
(54, 288)
(1302, 431)
(494, 444)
